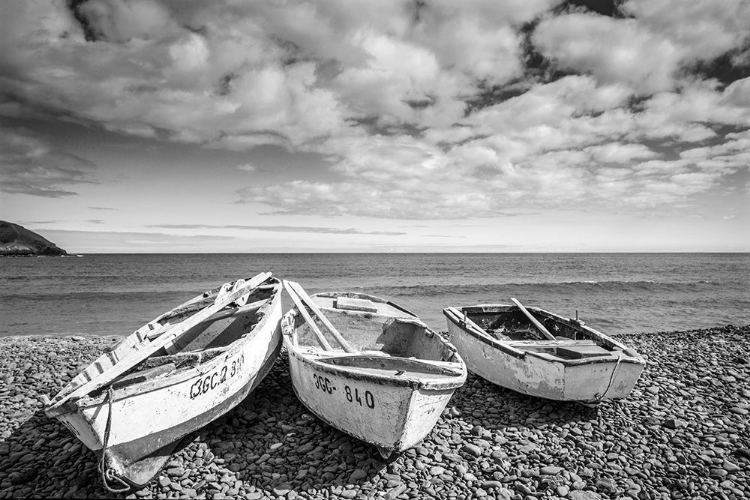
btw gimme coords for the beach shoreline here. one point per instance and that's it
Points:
(682, 433)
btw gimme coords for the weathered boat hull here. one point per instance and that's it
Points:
(361, 394)
(543, 374)
(141, 419)
(394, 417)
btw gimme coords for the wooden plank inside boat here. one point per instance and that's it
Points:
(582, 351)
(352, 304)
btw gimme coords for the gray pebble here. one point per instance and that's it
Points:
(496, 444)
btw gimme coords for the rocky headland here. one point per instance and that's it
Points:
(682, 434)
(17, 241)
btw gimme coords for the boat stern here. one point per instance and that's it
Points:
(611, 378)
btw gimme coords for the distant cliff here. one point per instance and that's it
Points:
(16, 240)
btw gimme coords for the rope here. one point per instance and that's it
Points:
(109, 475)
(611, 379)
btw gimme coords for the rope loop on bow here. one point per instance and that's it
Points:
(109, 475)
(599, 397)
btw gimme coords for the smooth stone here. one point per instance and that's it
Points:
(472, 449)
(282, 489)
(606, 484)
(584, 495)
(674, 423)
(491, 484)
(730, 467)
(551, 470)
(395, 492)
(357, 475)
(718, 473)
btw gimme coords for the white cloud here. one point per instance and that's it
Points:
(30, 165)
(683, 114)
(737, 97)
(190, 53)
(702, 29)
(122, 21)
(613, 50)
(619, 153)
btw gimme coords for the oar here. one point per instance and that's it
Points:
(150, 348)
(318, 334)
(536, 323)
(306, 298)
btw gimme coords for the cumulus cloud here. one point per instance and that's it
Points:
(613, 50)
(30, 165)
(701, 30)
(424, 109)
(122, 21)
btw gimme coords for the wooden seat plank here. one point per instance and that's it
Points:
(352, 304)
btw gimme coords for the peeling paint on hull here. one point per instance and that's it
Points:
(389, 416)
(516, 365)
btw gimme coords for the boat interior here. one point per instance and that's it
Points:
(203, 342)
(510, 325)
(376, 334)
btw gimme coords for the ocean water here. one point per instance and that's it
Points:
(614, 293)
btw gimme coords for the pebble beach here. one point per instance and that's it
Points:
(682, 433)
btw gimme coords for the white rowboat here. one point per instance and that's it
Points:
(171, 377)
(388, 383)
(541, 354)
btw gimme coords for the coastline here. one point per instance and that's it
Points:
(682, 433)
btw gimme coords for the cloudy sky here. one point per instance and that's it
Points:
(497, 125)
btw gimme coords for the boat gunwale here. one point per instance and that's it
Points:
(452, 314)
(180, 375)
(349, 372)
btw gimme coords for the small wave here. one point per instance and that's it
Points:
(96, 297)
(601, 282)
(557, 286)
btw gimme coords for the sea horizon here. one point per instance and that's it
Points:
(622, 292)
(667, 252)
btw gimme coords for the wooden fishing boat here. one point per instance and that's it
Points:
(539, 353)
(171, 377)
(390, 379)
